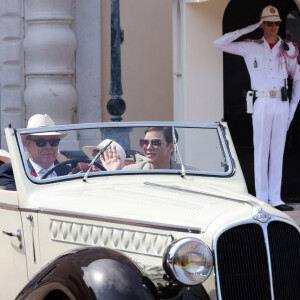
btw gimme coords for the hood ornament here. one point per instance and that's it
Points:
(262, 216)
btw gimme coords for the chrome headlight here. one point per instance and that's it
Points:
(188, 261)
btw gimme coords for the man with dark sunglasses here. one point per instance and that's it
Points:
(270, 61)
(43, 148)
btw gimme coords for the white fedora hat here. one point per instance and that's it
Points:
(45, 120)
(4, 156)
(88, 150)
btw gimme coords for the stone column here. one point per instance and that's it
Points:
(88, 67)
(11, 66)
(50, 45)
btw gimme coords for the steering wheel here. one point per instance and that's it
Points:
(73, 162)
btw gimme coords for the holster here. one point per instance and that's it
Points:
(250, 97)
(284, 94)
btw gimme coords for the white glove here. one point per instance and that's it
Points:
(249, 28)
(229, 37)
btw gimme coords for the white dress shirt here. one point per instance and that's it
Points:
(40, 172)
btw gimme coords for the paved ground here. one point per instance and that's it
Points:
(296, 213)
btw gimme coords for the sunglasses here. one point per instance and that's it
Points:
(42, 142)
(155, 143)
(268, 23)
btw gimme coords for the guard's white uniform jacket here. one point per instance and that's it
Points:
(271, 116)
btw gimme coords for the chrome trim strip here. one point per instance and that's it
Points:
(28, 209)
(265, 232)
(250, 220)
(170, 171)
(9, 206)
(108, 219)
(118, 249)
(225, 146)
(125, 172)
(199, 193)
(115, 125)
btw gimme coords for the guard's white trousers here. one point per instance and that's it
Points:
(270, 121)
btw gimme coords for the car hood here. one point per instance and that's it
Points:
(172, 203)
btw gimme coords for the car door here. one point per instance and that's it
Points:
(13, 271)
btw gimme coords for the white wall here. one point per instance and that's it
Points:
(199, 89)
(204, 63)
(146, 59)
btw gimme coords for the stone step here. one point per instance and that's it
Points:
(295, 214)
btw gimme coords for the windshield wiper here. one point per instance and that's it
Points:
(177, 151)
(94, 159)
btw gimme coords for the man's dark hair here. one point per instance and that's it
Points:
(167, 132)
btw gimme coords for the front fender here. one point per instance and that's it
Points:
(91, 274)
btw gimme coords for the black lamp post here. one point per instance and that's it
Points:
(116, 105)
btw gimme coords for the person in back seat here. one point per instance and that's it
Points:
(7, 180)
(116, 149)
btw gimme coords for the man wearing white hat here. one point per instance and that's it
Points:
(43, 148)
(115, 149)
(269, 61)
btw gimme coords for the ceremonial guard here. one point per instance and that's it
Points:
(269, 61)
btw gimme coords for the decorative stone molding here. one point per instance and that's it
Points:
(11, 65)
(50, 45)
(53, 95)
(44, 29)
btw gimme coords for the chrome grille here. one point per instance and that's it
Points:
(243, 270)
(284, 243)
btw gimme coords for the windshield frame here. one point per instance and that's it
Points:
(217, 126)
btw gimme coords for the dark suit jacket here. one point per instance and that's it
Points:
(60, 171)
(7, 179)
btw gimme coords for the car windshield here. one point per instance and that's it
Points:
(89, 150)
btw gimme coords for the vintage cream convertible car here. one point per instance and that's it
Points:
(189, 232)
